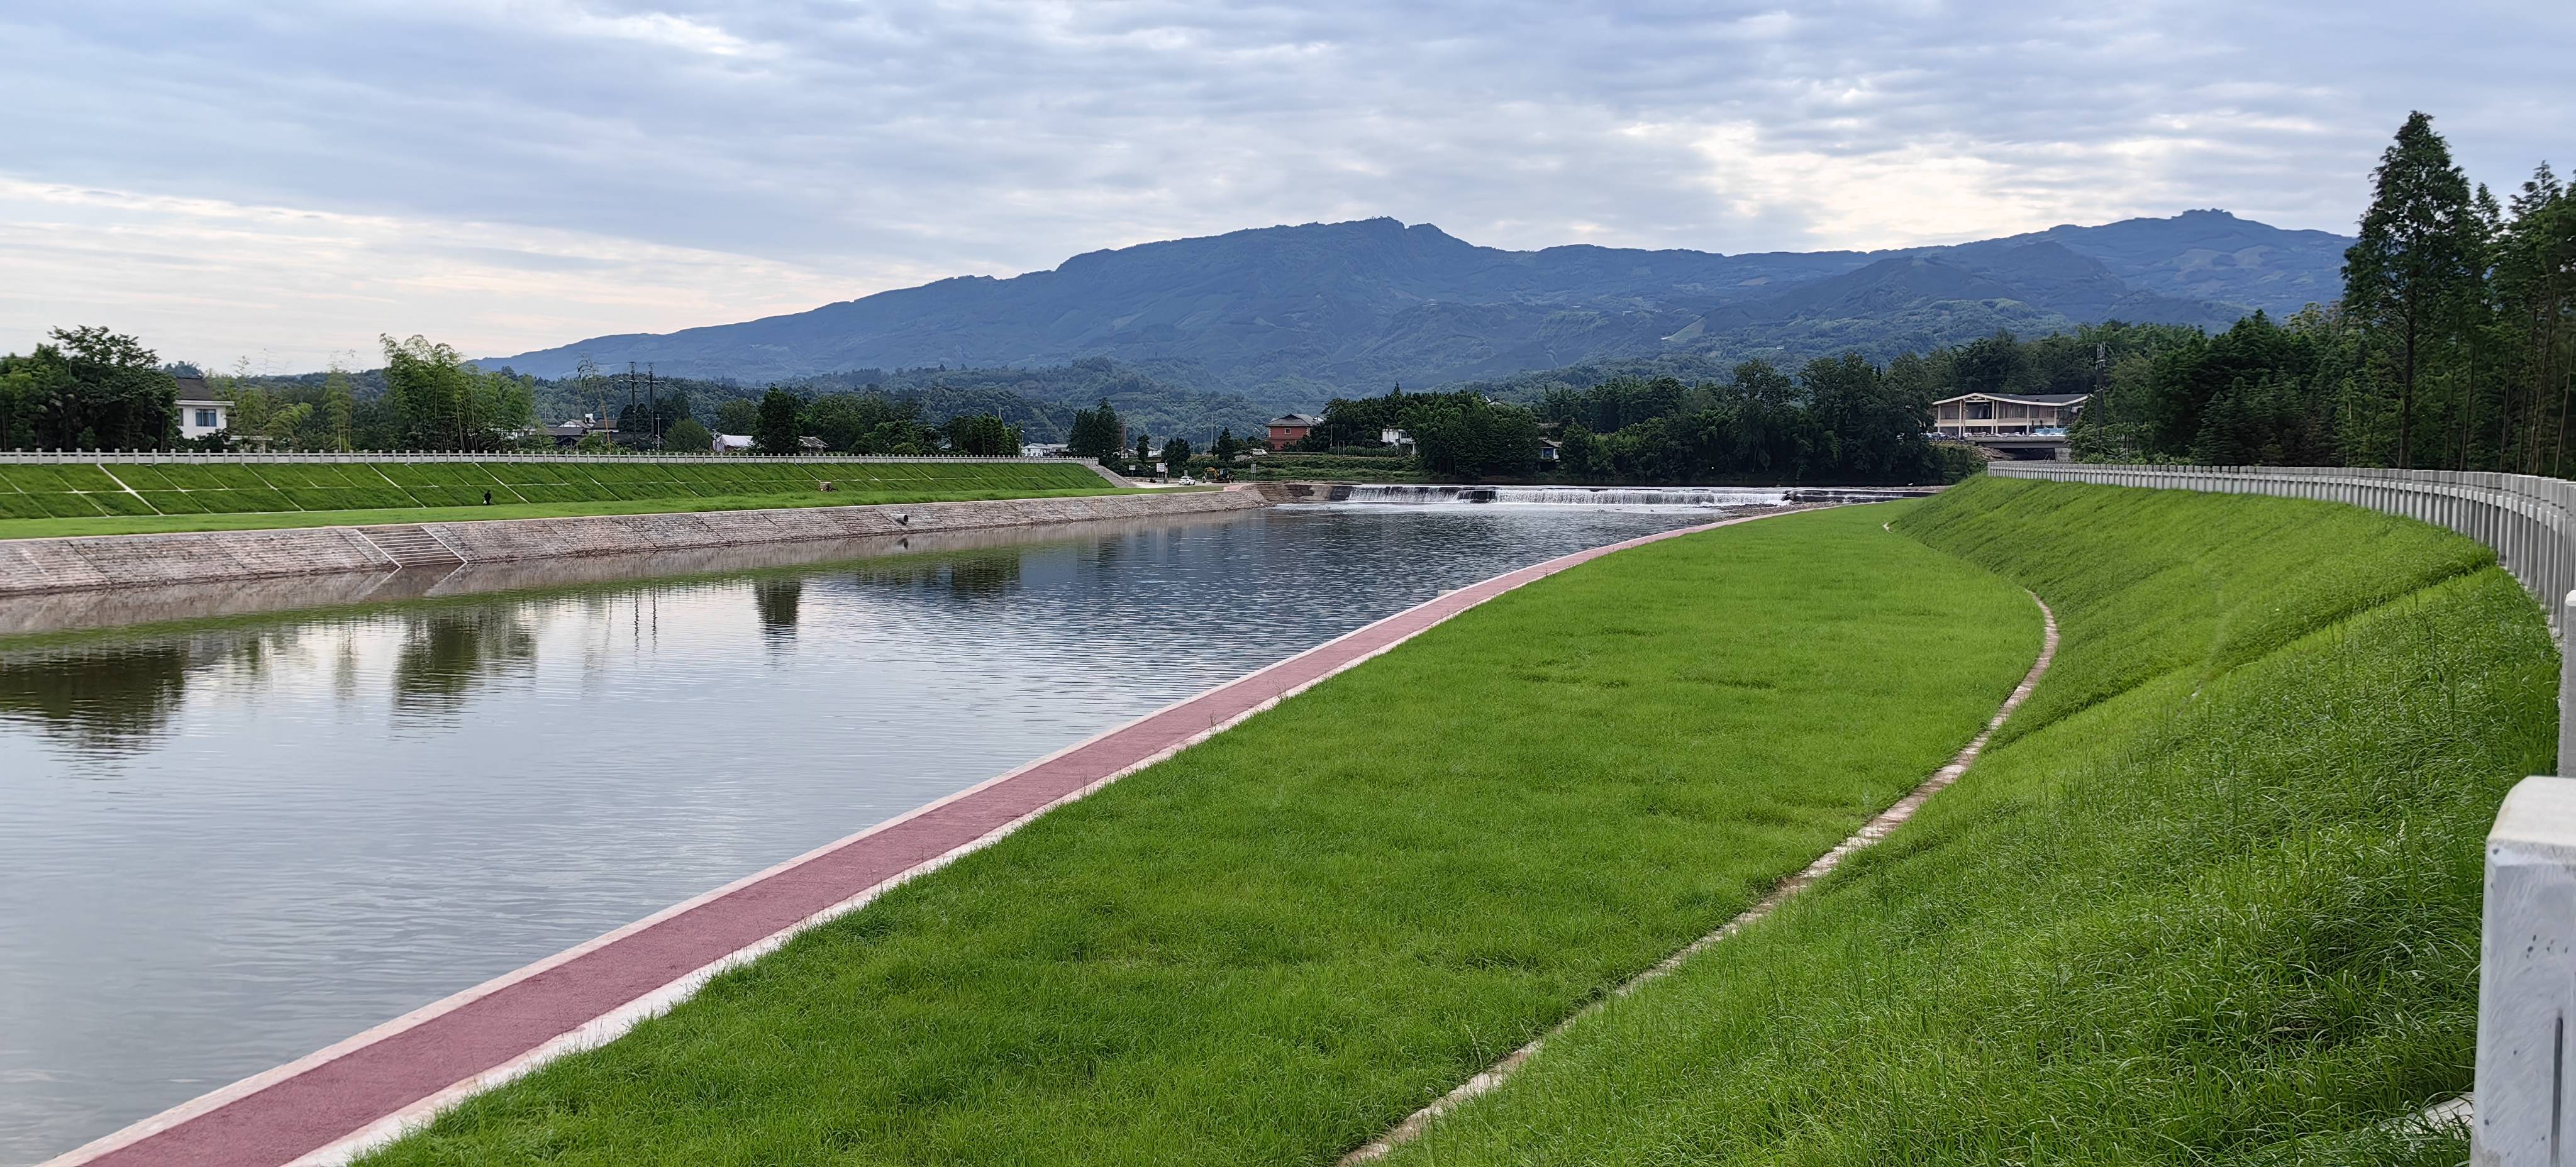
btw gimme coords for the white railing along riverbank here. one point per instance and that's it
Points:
(2527, 966)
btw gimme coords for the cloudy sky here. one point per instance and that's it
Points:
(283, 181)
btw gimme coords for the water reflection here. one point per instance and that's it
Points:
(777, 600)
(325, 819)
(980, 577)
(445, 657)
(100, 700)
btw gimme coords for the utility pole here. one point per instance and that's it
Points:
(653, 401)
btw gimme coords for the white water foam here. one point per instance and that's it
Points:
(1698, 497)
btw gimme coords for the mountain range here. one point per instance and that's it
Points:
(1288, 316)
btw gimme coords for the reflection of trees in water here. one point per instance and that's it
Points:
(778, 600)
(983, 576)
(113, 697)
(446, 655)
(102, 699)
(969, 575)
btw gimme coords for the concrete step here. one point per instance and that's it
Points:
(412, 546)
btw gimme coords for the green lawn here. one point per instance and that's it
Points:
(2215, 901)
(1272, 947)
(120, 499)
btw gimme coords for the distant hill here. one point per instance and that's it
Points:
(2213, 256)
(1287, 316)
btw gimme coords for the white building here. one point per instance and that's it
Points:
(2022, 426)
(730, 444)
(199, 417)
(199, 411)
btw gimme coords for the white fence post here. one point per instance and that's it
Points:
(2527, 979)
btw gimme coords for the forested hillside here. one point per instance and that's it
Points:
(1289, 316)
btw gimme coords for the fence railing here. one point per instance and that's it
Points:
(2527, 964)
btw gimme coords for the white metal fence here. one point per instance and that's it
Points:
(2527, 966)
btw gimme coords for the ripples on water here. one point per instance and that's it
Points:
(227, 845)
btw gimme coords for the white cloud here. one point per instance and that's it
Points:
(213, 281)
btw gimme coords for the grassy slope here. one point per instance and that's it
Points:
(1276, 944)
(2216, 902)
(119, 499)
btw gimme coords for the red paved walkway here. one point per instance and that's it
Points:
(400, 1071)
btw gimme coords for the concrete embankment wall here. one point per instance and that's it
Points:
(108, 561)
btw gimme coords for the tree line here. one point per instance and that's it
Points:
(2451, 347)
(91, 388)
(1842, 419)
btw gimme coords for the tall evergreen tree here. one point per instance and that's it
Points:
(2535, 293)
(2412, 279)
(1095, 432)
(780, 424)
(339, 407)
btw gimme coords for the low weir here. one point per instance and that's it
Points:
(1683, 496)
(1628, 496)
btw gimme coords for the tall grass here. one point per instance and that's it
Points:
(1275, 945)
(2216, 902)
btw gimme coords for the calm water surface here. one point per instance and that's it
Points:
(226, 844)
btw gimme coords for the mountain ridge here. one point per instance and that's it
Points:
(1290, 315)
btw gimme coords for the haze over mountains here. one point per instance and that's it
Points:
(1292, 315)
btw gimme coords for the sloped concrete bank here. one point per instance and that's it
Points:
(161, 605)
(29, 566)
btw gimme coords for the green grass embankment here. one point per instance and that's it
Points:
(2215, 900)
(128, 498)
(1273, 946)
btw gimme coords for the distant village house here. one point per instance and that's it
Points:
(1291, 428)
(200, 413)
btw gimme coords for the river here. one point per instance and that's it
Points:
(236, 827)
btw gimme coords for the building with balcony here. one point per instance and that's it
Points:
(2030, 427)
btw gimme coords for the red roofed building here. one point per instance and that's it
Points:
(1291, 428)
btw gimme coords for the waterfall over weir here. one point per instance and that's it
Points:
(1631, 496)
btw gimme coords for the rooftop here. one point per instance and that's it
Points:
(2024, 398)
